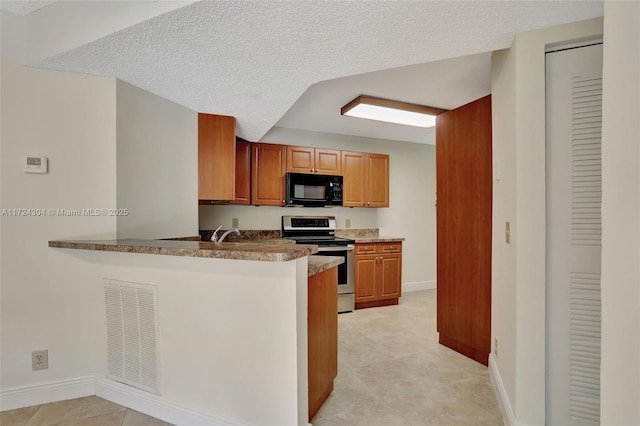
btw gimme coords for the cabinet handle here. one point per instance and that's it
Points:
(368, 203)
(311, 170)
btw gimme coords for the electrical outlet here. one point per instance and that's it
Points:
(495, 346)
(347, 223)
(234, 222)
(40, 360)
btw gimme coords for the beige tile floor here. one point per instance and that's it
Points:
(392, 371)
(88, 411)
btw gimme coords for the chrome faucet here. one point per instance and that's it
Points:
(227, 233)
(214, 236)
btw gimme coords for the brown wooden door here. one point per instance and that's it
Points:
(243, 172)
(269, 162)
(216, 157)
(353, 192)
(328, 161)
(377, 180)
(300, 159)
(464, 185)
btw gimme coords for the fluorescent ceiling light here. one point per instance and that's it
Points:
(391, 111)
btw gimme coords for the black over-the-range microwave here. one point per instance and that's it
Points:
(311, 190)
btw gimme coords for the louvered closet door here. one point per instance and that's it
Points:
(574, 194)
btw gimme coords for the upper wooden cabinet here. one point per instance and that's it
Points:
(377, 180)
(216, 157)
(243, 172)
(269, 165)
(366, 179)
(302, 159)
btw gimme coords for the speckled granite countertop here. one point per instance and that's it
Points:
(366, 236)
(378, 239)
(274, 250)
(319, 264)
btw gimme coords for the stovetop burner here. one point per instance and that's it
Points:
(319, 230)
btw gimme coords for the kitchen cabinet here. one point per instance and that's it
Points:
(366, 179)
(322, 337)
(243, 172)
(216, 157)
(268, 168)
(378, 274)
(302, 159)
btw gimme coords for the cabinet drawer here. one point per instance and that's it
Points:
(365, 248)
(378, 248)
(389, 247)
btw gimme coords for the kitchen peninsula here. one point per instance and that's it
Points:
(231, 325)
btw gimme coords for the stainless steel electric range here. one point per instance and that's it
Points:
(321, 231)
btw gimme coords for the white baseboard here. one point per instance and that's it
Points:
(44, 393)
(420, 285)
(501, 393)
(124, 395)
(152, 405)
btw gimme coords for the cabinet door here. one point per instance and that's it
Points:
(366, 276)
(377, 180)
(269, 163)
(328, 162)
(216, 157)
(322, 341)
(353, 191)
(243, 172)
(390, 276)
(300, 159)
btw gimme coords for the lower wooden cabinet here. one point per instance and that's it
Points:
(378, 274)
(322, 332)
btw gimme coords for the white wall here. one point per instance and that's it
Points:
(620, 370)
(46, 303)
(412, 198)
(157, 165)
(503, 268)
(231, 335)
(518, 271)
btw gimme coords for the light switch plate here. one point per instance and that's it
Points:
(507, 232)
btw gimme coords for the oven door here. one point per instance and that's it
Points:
(346, 274)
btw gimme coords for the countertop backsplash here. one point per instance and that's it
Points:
(357, 233)
(258, 234)
(249, 234)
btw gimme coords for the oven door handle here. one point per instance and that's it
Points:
(349, 247)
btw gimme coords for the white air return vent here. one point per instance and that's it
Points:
(586, 241)
(132, 330)
(586, 159)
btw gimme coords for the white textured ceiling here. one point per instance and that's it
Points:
(254, 59)
(23, 7)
